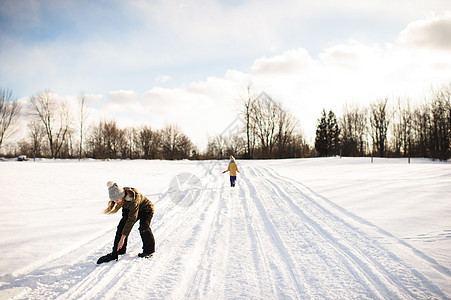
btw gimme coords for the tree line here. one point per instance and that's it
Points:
(264, 128)
(397, 130)
(52, 133)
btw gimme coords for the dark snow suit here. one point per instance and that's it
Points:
(136, 207)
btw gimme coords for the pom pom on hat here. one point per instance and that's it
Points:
(115, 192)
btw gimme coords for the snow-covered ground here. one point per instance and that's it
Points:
(291, 229)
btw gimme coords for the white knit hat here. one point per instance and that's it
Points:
(115, 192)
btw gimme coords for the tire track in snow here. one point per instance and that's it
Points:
(196, 279)
(406, 278)
(212, 261)
(253, 206)
(283, 228)
(271, 234)
(60, 272)
(224, 265)
(328, 252)
(248, 271)
(176, 254)
(101, 278)
(85, 280)
(177, 267)
(170, 223)
(386, 273)
(262, 260)
(360, 221)
(178, 230)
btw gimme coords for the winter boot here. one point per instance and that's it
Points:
(107, 258)
(146, 254)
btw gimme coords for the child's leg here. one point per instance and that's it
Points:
(232, 180)
(146, 233)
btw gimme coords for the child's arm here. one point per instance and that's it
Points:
(121, 242)
(228, 169)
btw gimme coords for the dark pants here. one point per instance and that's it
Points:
(144, 229)
(232, 180)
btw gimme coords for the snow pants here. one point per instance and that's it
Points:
(144, 229)
(232, 180)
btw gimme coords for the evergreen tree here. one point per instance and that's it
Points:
(327, 139)
(321, 135)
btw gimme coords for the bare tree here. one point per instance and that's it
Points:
(113, 139)
(396, 130)
(37, 133)
(127, 145)
(299, 147)
(185, 147)
(67, 149)
(236, 145)
(83, 117)
(216, 148)
(55, 119)
(421, 123)
(379, 121)
(148, 142)
(169, 140)
(440, 126)
(175, 144)
(286, 126)
(107, 140)
(402, 128)
(353, 126)
(95, 141)
(248, 102)
(361, 129)
(264, 117)
(223, 146)
(9, 113)
(269, 128)
(348, 132)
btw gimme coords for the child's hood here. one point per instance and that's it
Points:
(131, 193)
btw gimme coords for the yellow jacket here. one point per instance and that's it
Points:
(233, 168)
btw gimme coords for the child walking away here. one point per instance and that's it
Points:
(135, 206)
(233, 168)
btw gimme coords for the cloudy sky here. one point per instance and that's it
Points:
(188, 62)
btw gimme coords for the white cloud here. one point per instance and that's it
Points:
(351, 72)
(122, 97)
(174, 38)
(203, 32)
(356, 72)
(289, 63)
(200, 108)
(433, 33)
(163, 79)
